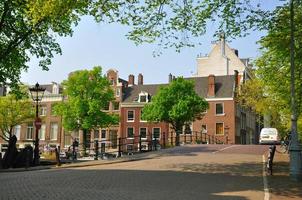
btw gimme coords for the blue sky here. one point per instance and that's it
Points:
(106, 45)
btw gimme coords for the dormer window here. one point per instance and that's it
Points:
(143, 97)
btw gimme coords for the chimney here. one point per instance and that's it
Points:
(211, 85)
(131, 80)
(222, 44)
(170, 78)
(140, 80)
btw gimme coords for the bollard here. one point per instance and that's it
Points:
(58, 156)
(96, 150)
(119, 147)
(27, 161)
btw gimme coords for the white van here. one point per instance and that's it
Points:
(269, 136)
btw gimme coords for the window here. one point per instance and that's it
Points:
(106, 107)
(67, 139)
(130, 115)
(103, 134)
(118, 92)
(219, 109)
(43, 111)
(53, 131)
(116, 105)
(42, 132)
(143, 133)
(130, 132)
(143, 98)
(188, 128)
(112, 82)
(16, 131)
(204, 128)
(219, 129)
(96, 134)
(29, 132)
(156, 133)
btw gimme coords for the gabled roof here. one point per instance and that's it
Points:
(224, 86)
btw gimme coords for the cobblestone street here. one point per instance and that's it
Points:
(192, 172)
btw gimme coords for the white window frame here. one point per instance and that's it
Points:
(153, 132)
(133, 132)
(206, 129)
(144, 138)
(113, 106)
(103, 138)
(222, 128)
(128, 116)
(51, 129)
(43, 111)
(40, 132)
(32, 132)
(17, 131)
(219, 114)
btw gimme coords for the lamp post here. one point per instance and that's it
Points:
(295, 148)
(37, 93)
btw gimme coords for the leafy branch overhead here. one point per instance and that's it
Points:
(29, 28)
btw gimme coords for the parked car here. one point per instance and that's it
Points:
(269, 136)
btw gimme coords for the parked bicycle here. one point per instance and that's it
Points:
(285, 145)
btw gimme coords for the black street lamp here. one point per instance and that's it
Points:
(37, 93)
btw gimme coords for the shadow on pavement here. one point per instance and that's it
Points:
(120, 184)
(280, 184)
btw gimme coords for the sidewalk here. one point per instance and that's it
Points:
(82, 163)
(280, 185)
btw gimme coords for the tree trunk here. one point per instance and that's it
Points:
(178, 131)
(11, 153)
(84, 142)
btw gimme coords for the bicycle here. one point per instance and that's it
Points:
(285, 145)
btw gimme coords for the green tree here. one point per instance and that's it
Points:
(88, 92)
(13, 112)
(176, 104)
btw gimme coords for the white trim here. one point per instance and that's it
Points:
(133, 116)
(133, 132)
(131, 105)
(220, 99)
(222, 129)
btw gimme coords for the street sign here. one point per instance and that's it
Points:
(38, 123)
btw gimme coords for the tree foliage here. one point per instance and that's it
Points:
(88, 92)
(269, 91)
(176, 104)
(29, 28)
(14, 111)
